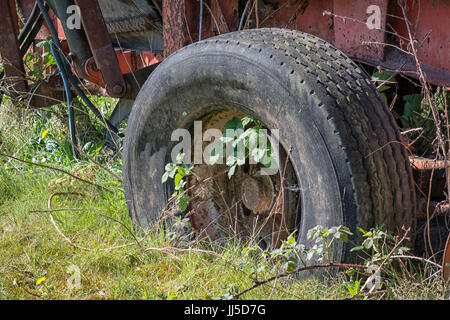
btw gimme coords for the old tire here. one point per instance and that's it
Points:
(344, 144)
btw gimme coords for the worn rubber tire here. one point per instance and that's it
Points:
(344, 143)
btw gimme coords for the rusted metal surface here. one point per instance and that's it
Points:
(420, 163)
(353, 32)
(10, 50)
(257, 193)
(175, 28)
(430, 24)
(446, 261)
(345, 23)
(352, 27)
(427, 208)
(135, 67)
(423, 169)
(101, 47)
(216, 11)
(226, 13)
(248, 206)
(26, 7)
(181, 21)
(307, 16)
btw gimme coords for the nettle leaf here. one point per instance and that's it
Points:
(182, 201)
(314, 232)
(172, 169)
(310, 255)
(291, 266)
(291, 240)
(402, 250)
(382, 76)
(215, 155)
(182, 171)
(234, 124)
(368, 244)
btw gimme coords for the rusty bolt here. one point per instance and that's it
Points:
(117, 89)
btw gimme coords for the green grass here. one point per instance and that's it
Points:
(36, 260)
(30, 248)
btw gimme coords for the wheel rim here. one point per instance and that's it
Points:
(248, 206)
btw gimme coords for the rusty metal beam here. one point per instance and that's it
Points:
(359, 28)
(446, 261)
(10, 50)
(420, 163)
(101, 47)
(175, 27)
(228, 13)
(181, 21)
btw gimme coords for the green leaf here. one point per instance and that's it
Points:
(178, 178)
(359, 248)
(182, 201)
(231, 161)
(181, 171)
(382, 76)
(291, 240)
(413, 103)
(234, 124)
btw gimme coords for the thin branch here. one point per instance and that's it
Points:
(287, 274)
(56, 169)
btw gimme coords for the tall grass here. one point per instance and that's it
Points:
(89, 230)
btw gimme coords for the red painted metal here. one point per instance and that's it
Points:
(341, 22)
(129, 61)
(26, 6)
(226, 12)
(351, 30)
(430, 24)
(101, 47)
(307, 16)
(10, 50)
(446, 261)
(181, 21)
(176, 33)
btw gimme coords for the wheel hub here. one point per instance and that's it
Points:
(257, 193)
(247, 206)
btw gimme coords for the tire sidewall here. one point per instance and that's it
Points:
(193, 83)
